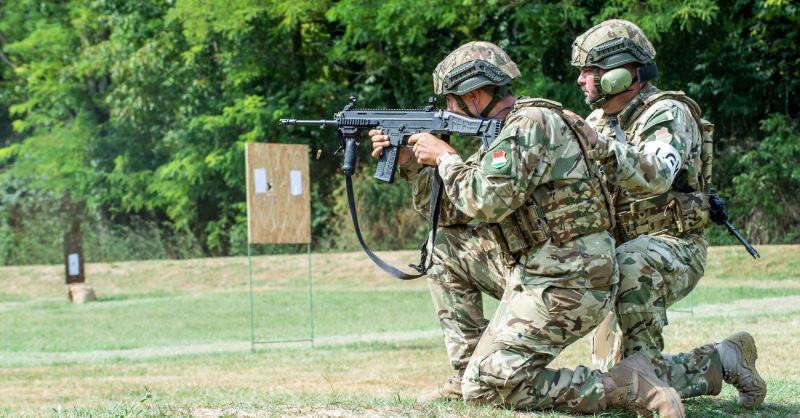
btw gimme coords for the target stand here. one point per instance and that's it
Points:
(278, 212)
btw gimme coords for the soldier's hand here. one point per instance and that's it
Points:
(427, 147)
(381, 141)
(580, 125)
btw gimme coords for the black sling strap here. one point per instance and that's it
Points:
(617, 130)
(433, 221)
(434, 208)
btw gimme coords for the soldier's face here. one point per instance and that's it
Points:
(452, 106)
(475, 101)
(586, 81)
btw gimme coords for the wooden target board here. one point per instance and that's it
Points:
(278, 195)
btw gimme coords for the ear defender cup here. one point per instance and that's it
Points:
(616, 81)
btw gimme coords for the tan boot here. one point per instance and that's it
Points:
(632, 385)
(738, 356)
(450, 390)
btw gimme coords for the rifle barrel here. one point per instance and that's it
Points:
(735, 233)
(321, 122)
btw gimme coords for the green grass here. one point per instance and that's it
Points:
(7, 297)
(167, 319)
(714, 295)
(55, 326)
(170, 338)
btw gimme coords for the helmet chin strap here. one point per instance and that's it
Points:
(499, 94)
(597, 104)
(463, 106)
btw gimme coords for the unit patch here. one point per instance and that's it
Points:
(499, 159)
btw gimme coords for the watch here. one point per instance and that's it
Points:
(445, 155)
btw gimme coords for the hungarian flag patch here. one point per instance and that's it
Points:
(499, 159)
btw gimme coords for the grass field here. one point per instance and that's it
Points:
(173, 338)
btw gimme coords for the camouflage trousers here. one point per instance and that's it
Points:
(505, 360)
(656, 272)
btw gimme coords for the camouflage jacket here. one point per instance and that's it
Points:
(662, 142)
(536, 156)
(537, 160)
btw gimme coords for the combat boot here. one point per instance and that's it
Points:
(738, 355)
(451, 390)
(632, 385)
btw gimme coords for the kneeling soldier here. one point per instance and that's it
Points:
(541, 247)
(655, 153)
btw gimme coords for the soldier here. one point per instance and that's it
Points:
(652, 152)
(541, 247)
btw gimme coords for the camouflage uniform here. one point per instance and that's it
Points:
(662, 141)
(655, 270)
(551, 294)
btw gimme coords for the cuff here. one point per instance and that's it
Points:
(447, 161)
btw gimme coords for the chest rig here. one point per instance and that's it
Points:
(552, 217)
(682, 209)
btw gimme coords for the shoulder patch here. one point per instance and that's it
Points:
(498, 161)
(666, 152)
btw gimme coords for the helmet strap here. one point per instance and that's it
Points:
(463, 105)
(500, 92)
(597, 104)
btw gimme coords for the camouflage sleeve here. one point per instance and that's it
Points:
(420, 178)
(647, 165)
(498, 181)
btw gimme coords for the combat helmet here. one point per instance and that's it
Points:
(610, 45)
(474, 65)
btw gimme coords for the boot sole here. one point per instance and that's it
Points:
(747, 346)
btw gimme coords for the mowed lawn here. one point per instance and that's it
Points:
(174, 338)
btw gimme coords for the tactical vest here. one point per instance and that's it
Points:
(553, 219)
(682, 209)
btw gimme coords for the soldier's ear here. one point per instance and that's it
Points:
(473, 96)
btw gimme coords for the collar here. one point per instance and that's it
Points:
(631, 107)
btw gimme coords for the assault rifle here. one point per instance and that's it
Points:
(398, 124)
(719, 214)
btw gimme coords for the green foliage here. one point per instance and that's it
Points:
(139, 111)
(385, 213)
(32, 231)
(769, 181)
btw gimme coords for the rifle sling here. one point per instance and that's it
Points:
(436, 194)
(434, 208)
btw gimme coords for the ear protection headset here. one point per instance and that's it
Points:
(616, 81)
(619, 79)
